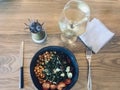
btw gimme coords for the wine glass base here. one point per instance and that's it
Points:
(69, 41)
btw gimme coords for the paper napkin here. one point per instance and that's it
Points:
(96, 35)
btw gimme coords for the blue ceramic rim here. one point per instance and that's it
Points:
(55, 48)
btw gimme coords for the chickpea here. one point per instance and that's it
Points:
(42, 75)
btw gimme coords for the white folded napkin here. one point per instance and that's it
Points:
(96, 35)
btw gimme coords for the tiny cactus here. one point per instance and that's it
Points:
(34, 26)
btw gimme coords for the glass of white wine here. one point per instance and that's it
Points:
(73, 20)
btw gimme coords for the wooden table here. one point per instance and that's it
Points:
(14, 13)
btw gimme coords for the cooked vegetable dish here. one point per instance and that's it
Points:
(53, 70)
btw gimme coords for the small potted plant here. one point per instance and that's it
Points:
(38, 33)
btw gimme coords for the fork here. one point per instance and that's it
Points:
(88, 57)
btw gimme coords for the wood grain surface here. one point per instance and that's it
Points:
(14, 13)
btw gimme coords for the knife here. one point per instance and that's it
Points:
(21, 77)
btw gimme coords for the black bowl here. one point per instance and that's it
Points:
(57, 49)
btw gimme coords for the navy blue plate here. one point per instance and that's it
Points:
(57, 49)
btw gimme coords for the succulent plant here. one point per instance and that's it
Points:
(34, 26)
